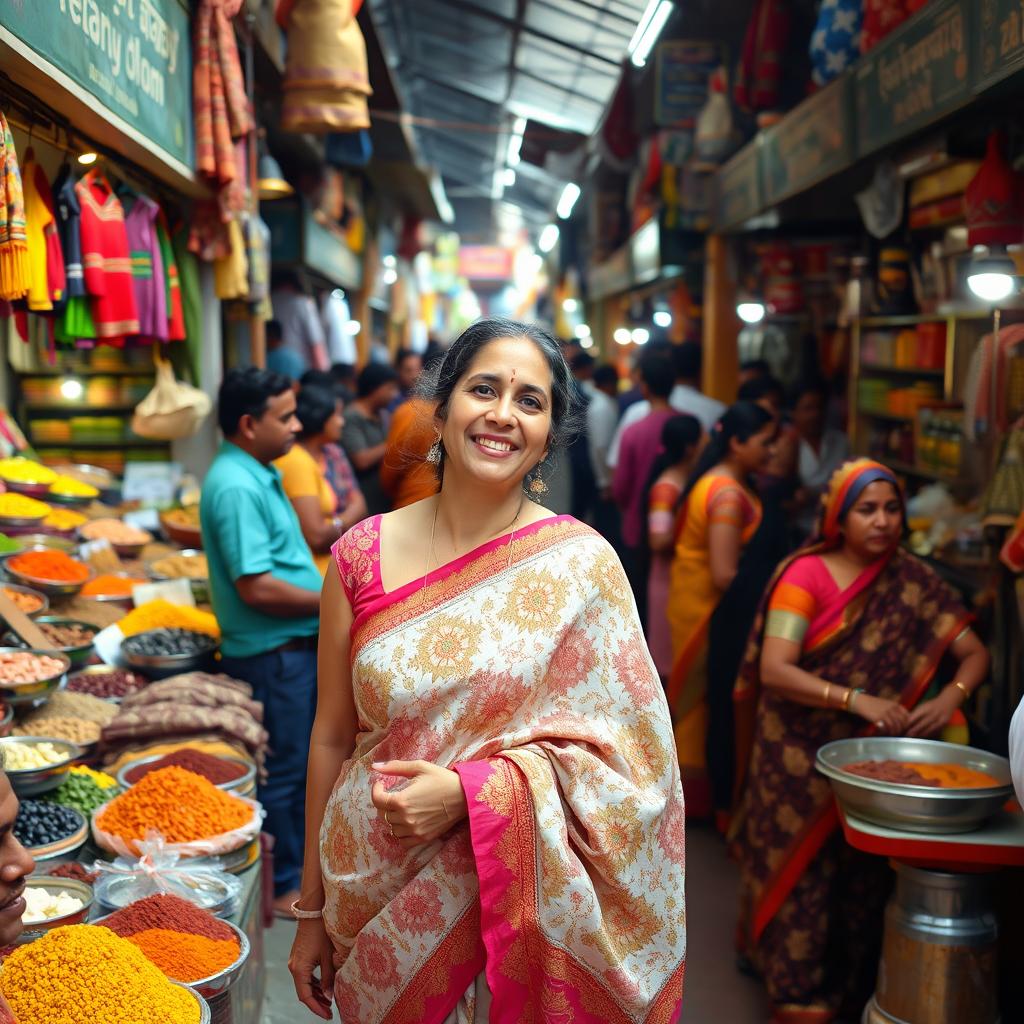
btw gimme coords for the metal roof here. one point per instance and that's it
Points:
(468, 69)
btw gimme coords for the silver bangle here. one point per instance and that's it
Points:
(305, 915)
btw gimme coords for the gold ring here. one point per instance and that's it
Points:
(388, 820)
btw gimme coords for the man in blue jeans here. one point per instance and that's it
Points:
(265, 591)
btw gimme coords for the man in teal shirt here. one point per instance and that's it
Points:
(265, 591)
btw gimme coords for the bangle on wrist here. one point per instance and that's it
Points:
(963, 689)
(826, 690)
(854, 693)
(305, 915)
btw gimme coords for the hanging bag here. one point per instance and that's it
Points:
(173, 409)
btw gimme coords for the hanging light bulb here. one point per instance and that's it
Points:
(750, 312)
(622, 336)
(662, 318)
(992, 275)
(640, 335)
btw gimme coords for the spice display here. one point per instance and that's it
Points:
(167, 643)
(10, 544)
(24, 667)
(74, 730)
(216, 769)
(44, 904)
(25, 471)
(115, 683)
(28, 603)
(19, 757)
(84, 790)
(191, 567)
(912, 773)
(74, 870)
(64, 519)
(187, 517)
(61, 635)
(85, 974)
(20, 506)
(52, 566)
(111, 585)
(179, 804)
(73, 705)
(40, 823)
(115, 531)
(186, 957)
(161, 614)
(164, 910)
(69, 487)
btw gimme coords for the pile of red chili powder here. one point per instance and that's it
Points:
(186, 942)
(217, 769)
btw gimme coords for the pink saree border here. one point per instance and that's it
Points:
(550, 981)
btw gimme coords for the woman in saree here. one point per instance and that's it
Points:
(848, 643)
(494, 810)
(719, 514)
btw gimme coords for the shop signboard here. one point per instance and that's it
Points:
(298, 239)
(738, 188)
(682, 69)
(485, 263)
(611, 277)
(645, 252)
(813, 142)
(133, 56)
(915, 76)
(999, 45)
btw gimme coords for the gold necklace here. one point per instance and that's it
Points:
(433, 527)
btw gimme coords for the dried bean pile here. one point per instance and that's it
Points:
(61, 634)
(217, 769)
(115, 683)
(23, 667)
(39, 823)
(167, 642)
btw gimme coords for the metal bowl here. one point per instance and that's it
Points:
(34, 781)
(205, 1014)
(125, 599)
(119, 892)
(80, 890)
(51, 588)
(32, 592)
(914, 808)
(219, 983)
(30, 490)
(186, 536)
(123, 550)
(63, 848)
(47, 540)
(200, 587)
(162, 666)
(37, 692)
(71, 500)
(96, 670)
(20, 522)
(244, 785)
(78, 656)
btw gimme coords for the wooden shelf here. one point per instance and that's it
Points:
(891, 416)
(901, 371)
(116, 409)
(924, 318)
(144, 371)
(141, 443)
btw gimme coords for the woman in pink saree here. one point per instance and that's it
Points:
(495, 818)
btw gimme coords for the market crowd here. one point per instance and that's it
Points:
(509, 475)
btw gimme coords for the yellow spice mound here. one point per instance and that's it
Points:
(162, 614)
(84, 974)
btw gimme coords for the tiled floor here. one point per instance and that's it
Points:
(715, 992)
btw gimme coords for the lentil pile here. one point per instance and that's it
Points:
(52, 566)
(184, 941)
(24, 667)
(85, 974)
(161, 614)
(64, 519)
(84, 790)
(192, 567)
(62, 635)
(180, 804)
(74, 730)
(115, 683)
(167, 643)
(28, 603)
(40, 823)
(115, 531)
(74, 870)
(111, 585)
(77, 717)
(216, 769)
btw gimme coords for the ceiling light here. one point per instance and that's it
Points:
(88, 158)
(567, 200)
(270, 181)
(622, 336)
(640, 335)
(548, 238)
(648, 30)
(353, 327)
(750, 312)
(515, 142)
(992, 274)
(582, 332)
(389, 261)
(390, 275)
(508, 177)
(662, 318)
(570, 305)
(587, 342)
(71, 389)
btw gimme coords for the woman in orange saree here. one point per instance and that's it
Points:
(719, 515)
(848, 642)
(495, 807)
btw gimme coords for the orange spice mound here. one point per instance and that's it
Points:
(186, 957)
(180, 804)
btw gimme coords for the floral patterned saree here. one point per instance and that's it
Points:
(523, 667)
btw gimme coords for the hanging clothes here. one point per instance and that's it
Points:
(172, 281)
(148, 279)
(231, 273)
(884, 16)
(326, 82)
(191, 295)
(257, 240)
(835, 42)
(106, 260)
(75, 321)
(45, 259)
(759, 73)
(14, 271)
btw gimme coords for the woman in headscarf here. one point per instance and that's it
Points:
(848, 643)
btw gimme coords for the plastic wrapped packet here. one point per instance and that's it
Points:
(161, 869)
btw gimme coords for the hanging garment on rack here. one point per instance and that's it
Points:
(45, 259)
(257, 240)
(191, 294)
(759, 72)
(147, 268)
(172, 282)
(75, 321)
(231, 274)
(326, 82)
(835, 42)
(106, 260)
(884, 16)
(14, 274)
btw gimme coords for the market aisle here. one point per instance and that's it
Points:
(715, 992)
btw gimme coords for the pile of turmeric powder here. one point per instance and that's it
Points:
(85, 974)
(162, 614)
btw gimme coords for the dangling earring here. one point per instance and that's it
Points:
(537, 485)
(434, 453)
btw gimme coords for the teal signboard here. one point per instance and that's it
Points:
(134, 56)
(915, 76)
(738, 188)
(1000, 41)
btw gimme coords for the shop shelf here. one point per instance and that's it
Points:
(901, 371)
(924, 318)
(909, 469)
(143, 442)
(891, 416)
(94, 408)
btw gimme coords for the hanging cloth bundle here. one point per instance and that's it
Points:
(14, 267)
(759, 72)
(172, 410)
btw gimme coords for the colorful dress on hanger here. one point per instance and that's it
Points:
(147, 268)
(106, 260)
(175, 312)
(75, 321)
(45, 259)
(14, 274)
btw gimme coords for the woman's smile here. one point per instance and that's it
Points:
(494, 447)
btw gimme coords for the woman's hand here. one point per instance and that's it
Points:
(424, 809)
(931, 717)
(311, 949)
(888, 716)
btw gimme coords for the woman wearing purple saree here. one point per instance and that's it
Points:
(494, 812)
(848, 643)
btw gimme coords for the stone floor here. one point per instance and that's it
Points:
(715, 992)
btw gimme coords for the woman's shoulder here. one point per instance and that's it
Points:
(807, 571)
